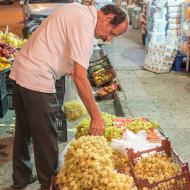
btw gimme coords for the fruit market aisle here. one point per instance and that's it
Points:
(161, 97)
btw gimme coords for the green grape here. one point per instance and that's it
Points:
(141, 124)
(88, 165)
(110, 132)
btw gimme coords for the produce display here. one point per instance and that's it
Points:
(100, 67)
(88, 166)
(120, 161)
(98, 70)
(104, 91)
(103, 77)
(74, 110)
(4, 64)
(12, 39)
(110, 132)
(156, 167)
(7, 52)
(139, 124)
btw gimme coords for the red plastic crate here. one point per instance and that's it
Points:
(182, 180)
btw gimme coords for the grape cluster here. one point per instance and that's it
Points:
(120, 161)
(88, 166)
(74, 110)
(110, 132)
(156, 168)
(139, 124)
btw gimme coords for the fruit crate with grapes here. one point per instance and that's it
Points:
(159, 168)
(103, 77)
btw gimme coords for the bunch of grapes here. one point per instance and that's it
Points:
(141, 124)
(156, 168)
(120, 161)
(88, 166)
(74, 110)
(110, 132)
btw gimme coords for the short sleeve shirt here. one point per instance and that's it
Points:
(63, 38)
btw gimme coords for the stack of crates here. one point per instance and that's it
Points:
(9, 92)
(3, 95)
(61, 121)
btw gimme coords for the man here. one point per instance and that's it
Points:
(63, 43)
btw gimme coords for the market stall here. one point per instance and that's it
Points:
(133, 154)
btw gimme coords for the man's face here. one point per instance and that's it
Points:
(105, 30)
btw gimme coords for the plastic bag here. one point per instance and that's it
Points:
(62, 156)
(73, 107)
(136, 141)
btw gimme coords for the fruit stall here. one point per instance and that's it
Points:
(9, 47)
(132, 154)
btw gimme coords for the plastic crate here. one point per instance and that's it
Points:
(3, 106)
(179, 62)
(60, 86)
(10, 101)
(104, 63)
(110, 94)
(105, 75)
(61, 124)
(2, 85)
(9, 85)
(182, 180)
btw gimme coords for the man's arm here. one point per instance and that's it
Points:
(85, 92)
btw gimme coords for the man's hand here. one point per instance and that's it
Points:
(96, 127)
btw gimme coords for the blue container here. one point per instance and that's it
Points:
(179, 61)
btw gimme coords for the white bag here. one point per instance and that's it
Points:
(136, 141)
(73, 107)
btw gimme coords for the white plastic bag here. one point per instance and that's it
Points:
(62, 156)
(73, 107)
(136, 141)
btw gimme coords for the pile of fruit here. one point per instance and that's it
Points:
(139, 124)
(12, 39)
(88, 166)
(120, 161)
(7, 51)
(102, 77)
(110, 132)
(74, 110)
(104, 91)
(156, 167)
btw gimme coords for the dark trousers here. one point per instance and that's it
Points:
(35, 122)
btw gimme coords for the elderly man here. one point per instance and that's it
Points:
(63, 43)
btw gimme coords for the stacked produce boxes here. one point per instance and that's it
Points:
(61, 122)
(3, 95)
(101, 75)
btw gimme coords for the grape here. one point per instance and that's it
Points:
(120, 161)
(88, 165)
(156, 168)
(74, 110)
(110, 132)
(139, 124)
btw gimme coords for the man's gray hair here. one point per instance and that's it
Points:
(120, 14)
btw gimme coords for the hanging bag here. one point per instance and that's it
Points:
(73, 107)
